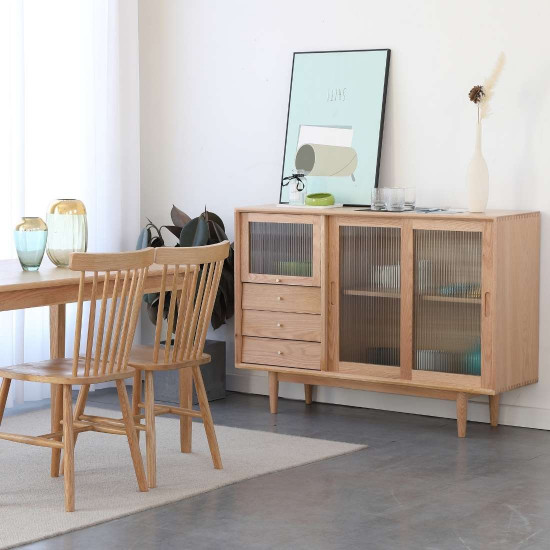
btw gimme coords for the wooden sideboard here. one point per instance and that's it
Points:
(431, 305)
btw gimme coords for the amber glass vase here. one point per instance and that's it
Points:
(67, 230)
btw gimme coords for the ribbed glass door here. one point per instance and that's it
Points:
(370, 294)
(447, 301)
(281, 249)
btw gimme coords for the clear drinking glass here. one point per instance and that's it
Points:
(378, 198)
(395, 199)
(410, 198)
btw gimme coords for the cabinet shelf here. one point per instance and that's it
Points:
(427, 297)
(374, 293)
(455, 299)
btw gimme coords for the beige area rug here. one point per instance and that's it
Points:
(31, 502)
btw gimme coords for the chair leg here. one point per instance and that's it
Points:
(79, 409)
(68, 447)
(81, 401)
(131, 434)
(186, 402)
(57, 415)
(4, 390)
(207, 418)
(136, 392)
(150, 436)
(136, 395)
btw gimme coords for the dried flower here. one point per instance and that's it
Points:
(488, 87)
(476, 94)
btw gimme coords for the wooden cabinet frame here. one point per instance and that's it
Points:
(509, 305)
(247, 276)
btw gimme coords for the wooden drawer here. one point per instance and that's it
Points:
(294, 299)
(281, 353)
(289, 326)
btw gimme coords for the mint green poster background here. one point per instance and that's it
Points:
(339, 89)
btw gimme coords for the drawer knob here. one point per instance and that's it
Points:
(279, 352)
(279, 325)
(277, 280)
(279, 298)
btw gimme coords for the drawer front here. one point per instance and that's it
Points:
(294, 299)
(289, 326)
(282, 353)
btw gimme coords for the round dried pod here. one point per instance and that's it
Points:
(476, 94)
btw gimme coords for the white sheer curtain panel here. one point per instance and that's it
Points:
(69, 128)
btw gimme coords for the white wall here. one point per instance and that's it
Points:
(214, 90)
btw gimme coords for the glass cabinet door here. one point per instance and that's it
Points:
(282, 250)
(447, 301)
(369, 295)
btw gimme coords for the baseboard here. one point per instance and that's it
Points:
(478, 408)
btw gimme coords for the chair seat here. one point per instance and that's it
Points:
(59, 371)
(141, 357)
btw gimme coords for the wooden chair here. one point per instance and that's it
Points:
(193, 286)
(105, 361)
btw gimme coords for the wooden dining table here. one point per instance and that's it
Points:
(56, 287)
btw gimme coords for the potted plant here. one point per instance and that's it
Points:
(207, 228)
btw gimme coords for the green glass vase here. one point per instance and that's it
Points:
(68, 230)
(30, 242)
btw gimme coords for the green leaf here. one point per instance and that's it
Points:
(218, 317)
(151, 298)
(179, 218)
(174, 229)
(144, 239)
(194, 233)
(217, 234)
(210, 216)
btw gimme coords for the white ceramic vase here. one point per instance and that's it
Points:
(478, 178)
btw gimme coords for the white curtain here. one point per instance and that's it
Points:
(69, 128)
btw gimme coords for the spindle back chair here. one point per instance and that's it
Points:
(194, 285)
(191, 277)
(117, 281)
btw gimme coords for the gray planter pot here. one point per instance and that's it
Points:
(213, 373)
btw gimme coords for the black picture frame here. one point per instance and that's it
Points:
(382, 117)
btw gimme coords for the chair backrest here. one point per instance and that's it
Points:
(193, 285)
(108, 352)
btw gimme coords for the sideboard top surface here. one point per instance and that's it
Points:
(489, 215)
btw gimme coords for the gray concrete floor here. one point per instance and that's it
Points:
(417, 486)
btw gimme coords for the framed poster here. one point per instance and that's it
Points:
(335, 123)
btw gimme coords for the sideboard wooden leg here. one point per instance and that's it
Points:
(308, 390)
(461, 413)
(273, 392)
(494, 403)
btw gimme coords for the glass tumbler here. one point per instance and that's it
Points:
(395, 199)
(410, 198)
(378, 198)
